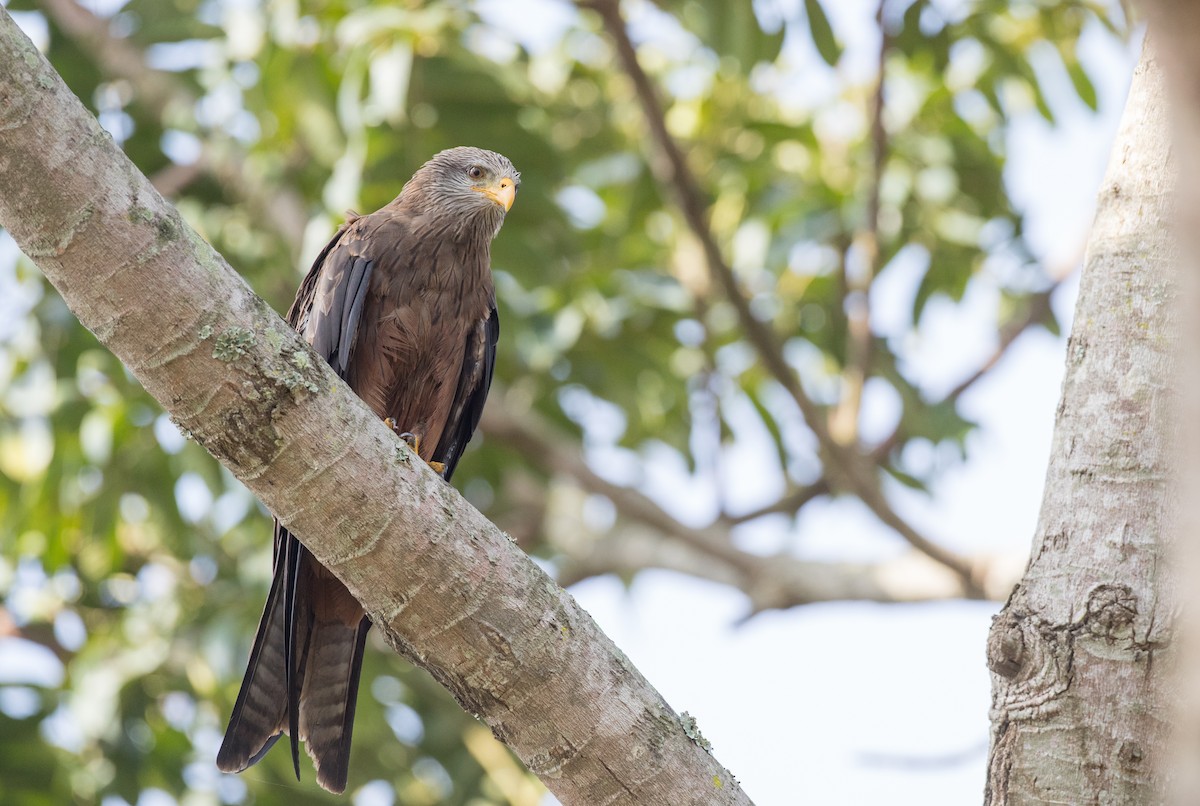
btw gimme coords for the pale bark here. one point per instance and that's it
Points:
(446, 587)
(1080, 655)
(1175, 28)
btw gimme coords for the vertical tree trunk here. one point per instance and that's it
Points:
(1079, 653)
(1175, 26)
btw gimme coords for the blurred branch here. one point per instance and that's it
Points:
(645, 536)
(788, 504)
(859, 269)
(924, 762)
(783, 581)
(174, 179)
(41, 634)
(673, 173)
(283, 209)
(846, 468)
(1037, 308)
(529, 435)
(1036, 311)
(117, 57)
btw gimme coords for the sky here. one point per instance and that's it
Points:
(858, 703)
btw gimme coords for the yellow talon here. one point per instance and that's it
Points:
(413, 441)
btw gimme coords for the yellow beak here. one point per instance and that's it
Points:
(504, 193)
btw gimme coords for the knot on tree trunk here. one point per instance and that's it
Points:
(1032, 656)
(1111, 610)
(1005, 646)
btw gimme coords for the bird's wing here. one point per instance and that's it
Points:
(329, 305)
(474, 380)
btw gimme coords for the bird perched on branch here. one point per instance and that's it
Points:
(401, 304)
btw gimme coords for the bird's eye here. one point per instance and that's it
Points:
(475, 172)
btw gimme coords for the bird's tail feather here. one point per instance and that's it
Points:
(315, 703)
(327, 703)
(259, 714)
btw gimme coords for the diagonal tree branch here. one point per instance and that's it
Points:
(845, 467)
(446, 587)
(158, 90)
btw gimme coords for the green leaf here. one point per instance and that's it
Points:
(1052, 324)
(730, 29)
(822, 33)
(951, 266)
(906, 479)
(771, 424)
(1083, 85)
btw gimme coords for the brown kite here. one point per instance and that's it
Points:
(401, 304)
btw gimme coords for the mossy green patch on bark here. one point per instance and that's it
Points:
(294, 379)
(692, 730)
(138, 214)
(274, 340)
(232, 343)
(165, 226)
(204, 254)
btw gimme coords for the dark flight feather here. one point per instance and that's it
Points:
(293, 676)
(479, 362)
(401, 304)
(356, 294)
(258, 715)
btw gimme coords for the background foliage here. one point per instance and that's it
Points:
(133, 568)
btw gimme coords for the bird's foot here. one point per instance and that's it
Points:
(410, 439)
(414, 442)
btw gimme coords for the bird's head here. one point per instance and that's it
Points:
(473, 186)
